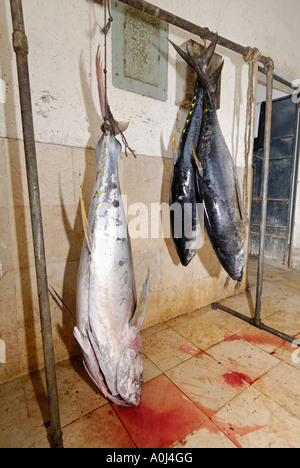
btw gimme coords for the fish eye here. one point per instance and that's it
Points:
(241, 259)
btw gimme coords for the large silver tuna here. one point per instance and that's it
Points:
(108, 317)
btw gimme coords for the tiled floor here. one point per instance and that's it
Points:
(211, 380)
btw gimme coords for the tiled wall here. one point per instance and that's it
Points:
(174, 289)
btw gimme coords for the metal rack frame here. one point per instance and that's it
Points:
(20, 45)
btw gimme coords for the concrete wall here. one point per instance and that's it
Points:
(63, 38)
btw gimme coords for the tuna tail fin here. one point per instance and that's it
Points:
(101, 87)
(209, 82)
(117, 127)
(140, 312)
(206, 58)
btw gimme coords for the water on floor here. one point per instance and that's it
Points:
(210, 380)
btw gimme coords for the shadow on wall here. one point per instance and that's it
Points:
(85, 175)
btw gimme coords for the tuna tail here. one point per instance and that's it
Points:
(206, 58)
(117, 127)
(200, 65)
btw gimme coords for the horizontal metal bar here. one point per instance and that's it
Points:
(281, 80)
(259, 325)
(181, 23)
(284, 200)
(216, 305)
(204, 33)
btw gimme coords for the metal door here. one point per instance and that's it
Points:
(282, 183)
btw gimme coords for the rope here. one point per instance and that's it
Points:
(252, 57)
(105, 30)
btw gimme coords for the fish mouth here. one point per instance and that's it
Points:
(186, 257)
(101, 383)
(240, 277)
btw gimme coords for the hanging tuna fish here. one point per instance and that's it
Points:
(219, 185)
(108, 318)
(185, 194)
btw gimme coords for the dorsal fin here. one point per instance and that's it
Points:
(238, 196)
(86, 227)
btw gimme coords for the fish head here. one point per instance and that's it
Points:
(186, 256)
(130, 373)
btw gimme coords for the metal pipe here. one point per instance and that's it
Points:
(216, 306)
(20, 45)
(204, 33)
(260, 325)
(294, 193)
(264, 208)
(281, 80)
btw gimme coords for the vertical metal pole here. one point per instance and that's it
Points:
(21, 49)
(294, 193)
(267, 147)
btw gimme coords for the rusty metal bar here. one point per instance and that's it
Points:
(294, 193)
(20, 45)
(181, 23)
(281, 80)
(260, 325)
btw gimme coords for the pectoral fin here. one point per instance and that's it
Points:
(83, 342)
(198, 163)
(174, 149)
(87, 231)
(141, 309)
(238, 197)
